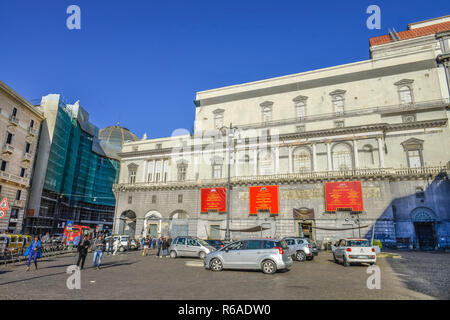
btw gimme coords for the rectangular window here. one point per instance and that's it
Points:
(18, 194)
(415, 160)
(180, 198)
(339, 124)
(3, 166)
(181, 173)
(14, 113)
(159, 146)
(132, 178)
(9, 138)
(130, 199)
(22, 172)
(31, 123)
(27, 148)
(217, 171)
(218, 120)
(154, 199)
(300, 109)
(301, 128)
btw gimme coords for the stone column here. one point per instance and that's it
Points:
(144, 172)
(355, 152)
(154, 171)
(277, 160)
(330, 163)
(381, 151)
(255, 162)
(236, 162)
(314, 155)
(291, 170)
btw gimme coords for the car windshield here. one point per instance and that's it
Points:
(358, 243)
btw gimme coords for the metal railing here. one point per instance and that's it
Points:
(313, 175)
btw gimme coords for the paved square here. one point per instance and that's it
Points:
(132, 276)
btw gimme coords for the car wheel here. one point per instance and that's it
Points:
(311, 258)
(300, 256)
(345, 261)
(269, 267)
(202, 255)
(216, 265)
(173, 254)
(122, 249)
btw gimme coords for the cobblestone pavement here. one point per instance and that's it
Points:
(425, 272)
(131, 276)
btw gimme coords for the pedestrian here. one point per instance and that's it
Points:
(83, 250)
(110, 245)
(116, 246)
(99, 246)
(169, 242)
(164, 247)
(160, 242)
(34, 252)
(154, 243)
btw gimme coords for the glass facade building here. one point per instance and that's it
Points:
(81, 169)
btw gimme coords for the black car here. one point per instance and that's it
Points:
(217, 244)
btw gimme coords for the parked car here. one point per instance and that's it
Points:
(259, 254)
(4, 244)
(354, 251)
(217, 244)
(301, 249)
(125, 243)
(190, 247)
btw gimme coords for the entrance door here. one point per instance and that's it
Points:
(425, 235)
(153, 230)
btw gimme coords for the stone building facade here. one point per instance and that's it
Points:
(383, 121)
(20, 123)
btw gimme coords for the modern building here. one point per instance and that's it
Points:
(19, 129)
(360, 149)
(76, 167)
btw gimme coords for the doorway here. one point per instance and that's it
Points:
(304, 229)
(425, 235)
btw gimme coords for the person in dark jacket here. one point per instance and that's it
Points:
(160, 242)
(83, 249)
(164, 247)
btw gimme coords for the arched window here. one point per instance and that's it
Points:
(302, 160)
(342, 157)
(132, 169)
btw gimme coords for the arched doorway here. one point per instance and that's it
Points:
(179, 224)
(127, 224)
(152, 224)
(425, 228)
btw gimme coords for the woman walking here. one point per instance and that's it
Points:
(34, 252)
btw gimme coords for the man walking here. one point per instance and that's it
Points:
(160, 242)
(169, 243)
(83, 249)
(99, 245)
(164, 247)
(110, 245)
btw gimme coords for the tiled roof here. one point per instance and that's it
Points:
(414, 33)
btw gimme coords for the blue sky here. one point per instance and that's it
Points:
(141, 62)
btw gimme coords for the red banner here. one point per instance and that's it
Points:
(264, 198)
(344, 195)
(214, 199)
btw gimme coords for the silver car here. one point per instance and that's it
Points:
(189, 247)
(258, 254)
(354, 251)
(301, 249)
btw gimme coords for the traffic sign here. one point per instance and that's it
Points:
(69, 223)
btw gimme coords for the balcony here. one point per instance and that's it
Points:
(25, 181)
(19, 203)
(27, 157)
(32, 132)
(7, 148)
(317, 176)
(14, 120)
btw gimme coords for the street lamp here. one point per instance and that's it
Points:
(231, 132)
